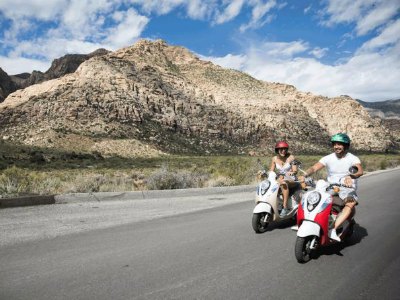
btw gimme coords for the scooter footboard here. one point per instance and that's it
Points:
(308, 228)
(262, 207)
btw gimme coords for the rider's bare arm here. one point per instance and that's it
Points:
(272, 167)
(318, 166)
(293, 167)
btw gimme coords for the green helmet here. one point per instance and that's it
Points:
(341, 138)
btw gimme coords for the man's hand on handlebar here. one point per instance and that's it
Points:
(348, 181)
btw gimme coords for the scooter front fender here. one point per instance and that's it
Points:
(262, 207)
(308, 228)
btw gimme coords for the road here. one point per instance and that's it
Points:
(212, 254)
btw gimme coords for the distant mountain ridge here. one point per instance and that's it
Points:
(389, 113)
(383, 109)
(154, 98)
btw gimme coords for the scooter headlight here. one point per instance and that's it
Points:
(313, 199)
(263, 187)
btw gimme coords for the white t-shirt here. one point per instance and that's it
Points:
(339, 167)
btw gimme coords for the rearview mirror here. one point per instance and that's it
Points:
(353, 170)
(296, 162)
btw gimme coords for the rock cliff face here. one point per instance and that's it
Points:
(154, 97)
(388, 112)
(7, 85)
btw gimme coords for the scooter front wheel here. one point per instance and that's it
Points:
(302, 249)
(260, 222)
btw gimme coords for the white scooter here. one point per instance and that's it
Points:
(269, 203)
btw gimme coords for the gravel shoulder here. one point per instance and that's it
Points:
(78, 213)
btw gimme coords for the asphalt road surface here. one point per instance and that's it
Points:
(212, 254)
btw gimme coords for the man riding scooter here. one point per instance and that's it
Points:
(338, 164)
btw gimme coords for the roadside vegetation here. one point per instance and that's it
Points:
(27, 171)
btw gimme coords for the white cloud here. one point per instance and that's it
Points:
(55, 48)
(230, 12)
(260, 9)
(199, 9)
(366, 76)
(229, 61)
(15, 29)
(319, 52)
(80, 19)
(389, 36)
(17, 65)
(196, 9)
(307, 9)
(130, 27)
(345, 11)
(368, 15)
(160, 7)
(38, 9)
(42, 52)
(280, 50)
(383, 12)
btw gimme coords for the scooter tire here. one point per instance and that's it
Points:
(302, 249)
(258, 225)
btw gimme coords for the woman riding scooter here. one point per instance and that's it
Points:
(285, 170)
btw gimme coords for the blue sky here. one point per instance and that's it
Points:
(327, 47)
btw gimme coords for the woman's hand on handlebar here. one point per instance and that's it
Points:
(301, 178)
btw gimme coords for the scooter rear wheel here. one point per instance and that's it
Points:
(258, 222)
(302, 249)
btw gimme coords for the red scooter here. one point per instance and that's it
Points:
(316, 215)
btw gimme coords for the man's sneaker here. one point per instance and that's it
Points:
(284, 212)
(295, 227)
(333, 235)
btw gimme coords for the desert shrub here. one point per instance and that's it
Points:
(220, 181)
(86, 183)
(235, 170)
(105, 182)
(14, 181)
(117, 183)
(164, 179)
(46, 185)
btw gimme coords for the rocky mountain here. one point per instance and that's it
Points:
(389, 114)
(59, 67)
(151, 98)
(383, 109)
(7, 85)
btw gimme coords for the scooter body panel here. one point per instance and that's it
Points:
(262, 207)
(308, 228)
(268, 200)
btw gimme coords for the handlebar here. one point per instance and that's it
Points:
(333, 185)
